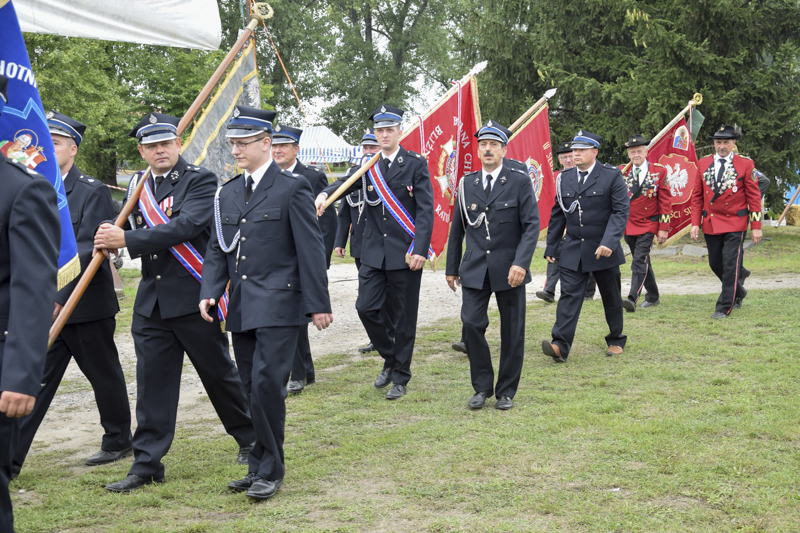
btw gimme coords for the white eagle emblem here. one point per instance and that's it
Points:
(677, 179)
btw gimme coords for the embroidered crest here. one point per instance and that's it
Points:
(236, 112)
(153, 118)
(278, 128)
(369, 187)
(473, 207)
(535, 173)
(139, 220)
(49, 115)
(447, 171)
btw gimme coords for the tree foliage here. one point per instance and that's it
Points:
(627, 66)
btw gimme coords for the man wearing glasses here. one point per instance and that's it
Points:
(267, 243)
(171, 224)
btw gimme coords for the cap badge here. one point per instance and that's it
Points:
(580, 132)
(383, 109)
(366, 131)
(278, 127)
(236, 112)
(489, 124)
(153, 118)
(49, 115)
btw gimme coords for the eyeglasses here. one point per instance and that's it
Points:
(241, 145)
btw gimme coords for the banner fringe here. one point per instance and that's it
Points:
(68, 272)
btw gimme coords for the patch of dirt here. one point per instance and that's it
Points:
(72, 423)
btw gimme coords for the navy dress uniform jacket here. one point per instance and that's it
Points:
(30, 237)
(164, 279)
(327, 222)
(90, 204)
(385, 242)
(280, 278)
(605, 204)
(350, 225)
(513, 216)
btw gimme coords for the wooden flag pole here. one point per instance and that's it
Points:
(352, 179)
(97, 260)
(791, 202)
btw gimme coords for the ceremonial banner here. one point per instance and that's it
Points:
(207, 145)
(137, 21)
(445, 136)
(675, 150)
(530, 143)
(25, 136)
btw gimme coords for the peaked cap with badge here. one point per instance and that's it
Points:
(65, 126)
(564, 148)
(369, 138)
(249, 121)
(386, 116)
(283, 134)
(636, 139)
(726, 131)
(494, 132)
(586, 139)
(155, 127)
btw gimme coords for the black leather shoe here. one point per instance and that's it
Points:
(295, 387)
(311, 379)
(244, 454)
(459, 346)
(737, 303)
(132, 482)
(384, 378)
(588, 298)
(366, 349)
(103, 457)
(546, 296)
(504, 403)
(262, 489)
(745, 274)
(552, 350)
(15, 470)
(646, 304)
(629, 305)
(478, 401)
(243, 484)
(397, 391)
(719, 314)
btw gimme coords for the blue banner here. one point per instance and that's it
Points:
(24, 134)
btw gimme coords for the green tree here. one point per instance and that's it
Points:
(625, 66)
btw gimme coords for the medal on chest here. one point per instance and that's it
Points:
(166, 206)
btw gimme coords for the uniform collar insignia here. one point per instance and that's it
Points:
(503, 179)
(476, 180)
(49, 115)
(174, 175)
(400, 160)
(153, 118)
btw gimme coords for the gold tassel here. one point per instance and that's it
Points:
(69, 272)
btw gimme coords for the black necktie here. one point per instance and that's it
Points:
(721, 171)
(385, 164)
(583, 175)
(159, 181)
(248, 189)
(488, 189)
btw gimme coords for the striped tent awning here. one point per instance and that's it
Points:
(318, 144)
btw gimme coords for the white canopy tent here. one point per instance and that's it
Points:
(318, 144)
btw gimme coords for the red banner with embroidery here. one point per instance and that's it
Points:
(185, 253)
(675, 150)
(530, 143)
(444, 135)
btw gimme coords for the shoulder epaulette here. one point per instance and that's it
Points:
(659, 165)
(237, 176)
(90, 181)
(515, 160)
(194, 168)
(290, 174)
(517, 170)
(20, 166)
(744, 157)
(415, 154)
(470, 173)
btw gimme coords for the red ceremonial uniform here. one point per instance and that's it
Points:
(651, 203)
(731, 208)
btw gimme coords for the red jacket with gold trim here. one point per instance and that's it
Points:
(727, 207)
(651, 204)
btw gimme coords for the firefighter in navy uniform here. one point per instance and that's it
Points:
(548, 292)
(651, 206)
(592, 204)
(497, 212)
(166, 322)
(352, 216)
(726, 197)
(88, 335)
(285, 147)
(267, 244)
(391, 259)
(30, 237)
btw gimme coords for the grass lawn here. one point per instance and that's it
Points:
(694, 429)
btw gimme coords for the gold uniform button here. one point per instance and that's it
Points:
(710, 203)
(645, 209)
(266, 216)
(711, 215)
(155, 257)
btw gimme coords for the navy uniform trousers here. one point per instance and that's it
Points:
(725, 255)
(553, 276)
(83, 341)
(160, 344)
(512, 330)
(387, 311)
(642, 276)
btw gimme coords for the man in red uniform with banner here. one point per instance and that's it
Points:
(725, 198)
(649, 216)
